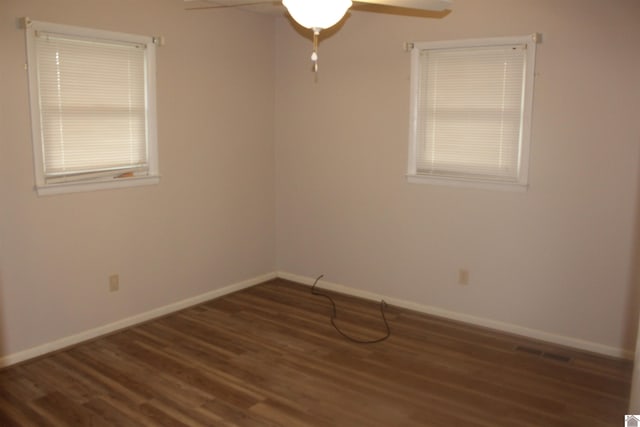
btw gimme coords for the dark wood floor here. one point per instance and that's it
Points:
(268, 356)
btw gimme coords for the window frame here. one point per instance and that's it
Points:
(90, 182)
(522, 182)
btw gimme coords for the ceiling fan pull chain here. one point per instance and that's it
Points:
(314, 54)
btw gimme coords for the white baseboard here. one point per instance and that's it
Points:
(479, 321)
(40, 350)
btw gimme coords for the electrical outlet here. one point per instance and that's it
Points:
(114, 283)
(463, 276)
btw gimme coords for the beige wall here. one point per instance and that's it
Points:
(556, 259)
(210, 222)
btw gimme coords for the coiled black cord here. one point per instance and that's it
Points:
(334, 315)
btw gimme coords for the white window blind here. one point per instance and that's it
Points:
(470, 111)
(93, 105)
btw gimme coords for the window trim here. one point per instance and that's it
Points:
(98, 182)
(522, 182)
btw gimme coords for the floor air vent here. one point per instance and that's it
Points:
(540, 353)
(557, 357)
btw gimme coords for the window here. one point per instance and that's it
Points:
(471, 111)
(92, 108)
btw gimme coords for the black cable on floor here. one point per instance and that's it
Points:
(334, 315)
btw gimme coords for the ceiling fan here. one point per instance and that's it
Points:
(318, 15)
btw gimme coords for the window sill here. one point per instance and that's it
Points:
(467, 182)
(84, 186)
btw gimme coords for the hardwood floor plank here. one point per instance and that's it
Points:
(106, 376)
(233, 416)
(126, 408)
(16, 413)
(112, 414)
(57, 406)
(155, 412)
(283, 415)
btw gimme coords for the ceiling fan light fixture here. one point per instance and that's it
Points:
(317, 14)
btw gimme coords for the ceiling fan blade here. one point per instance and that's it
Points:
(434, 5)
(276, 7)
(268, 6)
